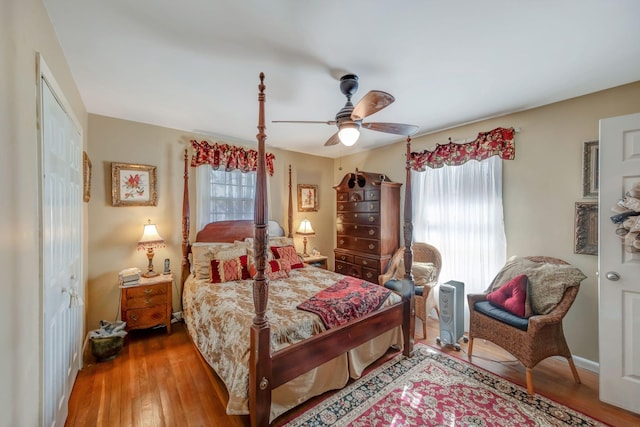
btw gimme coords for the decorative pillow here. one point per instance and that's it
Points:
(273, 241)
(423, 273)
(229, 270)
(289, 254)
(513, 297)
(202, 256)
(275, 269)
(547, 281)
(280, 241)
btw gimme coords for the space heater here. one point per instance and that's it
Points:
(451, 301)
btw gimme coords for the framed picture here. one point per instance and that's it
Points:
(133, 185)
(307, 198)
(590, 169)
(586, 228)
(86, 177)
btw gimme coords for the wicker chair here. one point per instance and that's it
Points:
(422, 253)
(542, 338)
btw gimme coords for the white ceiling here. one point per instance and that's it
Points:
(194, 64)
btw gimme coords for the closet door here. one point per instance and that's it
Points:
(61, 245)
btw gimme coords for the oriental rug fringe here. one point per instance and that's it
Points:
(433, 389)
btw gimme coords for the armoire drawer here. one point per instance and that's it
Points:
(348, 269)
(344, 257)
(372, 218)
(368, 206)
(356, 230)
(371, 246)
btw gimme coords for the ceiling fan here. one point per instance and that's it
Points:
(349, 118)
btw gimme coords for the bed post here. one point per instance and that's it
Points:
(185, 222)
(260, 352)
(408, 288)
(290, 211)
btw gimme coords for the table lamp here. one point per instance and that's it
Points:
(149, 241)
(305, 230)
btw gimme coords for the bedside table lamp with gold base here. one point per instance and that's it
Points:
(149, 241)
(305, 230)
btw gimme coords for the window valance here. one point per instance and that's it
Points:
(497, 142)
(228, 156)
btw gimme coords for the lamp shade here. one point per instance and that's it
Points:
(348, 134)
(150, 238)
(305, 228)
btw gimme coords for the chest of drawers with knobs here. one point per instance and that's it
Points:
(367, 224)
(147, 304)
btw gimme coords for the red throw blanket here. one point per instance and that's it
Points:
(347, 299)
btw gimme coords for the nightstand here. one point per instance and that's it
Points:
(316, 261)
(148, 303)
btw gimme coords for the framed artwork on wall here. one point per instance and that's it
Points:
(86, 177)
(307, 198)
(586, 228)
(133, 185)
(590, 170)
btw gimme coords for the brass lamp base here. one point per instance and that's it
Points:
(150, 272)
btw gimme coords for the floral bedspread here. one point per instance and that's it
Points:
(219, 316)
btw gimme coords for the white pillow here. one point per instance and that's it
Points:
(203, 254)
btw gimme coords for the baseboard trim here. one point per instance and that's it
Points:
(587, 364)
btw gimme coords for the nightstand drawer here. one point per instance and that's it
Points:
(146, 296)
(146, 301)
(146, 317)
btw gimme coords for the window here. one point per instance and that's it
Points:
(458, 209)
(224, 195)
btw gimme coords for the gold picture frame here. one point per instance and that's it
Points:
(133, 185)
(590, 169)
(307, 198)
(86, 177)
(586, 228)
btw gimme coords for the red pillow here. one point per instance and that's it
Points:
(512, 296)
(275, 269)
(229, 270)
(289, 254)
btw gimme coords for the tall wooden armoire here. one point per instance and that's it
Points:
(368, 224)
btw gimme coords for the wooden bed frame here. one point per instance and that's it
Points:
(268, 370)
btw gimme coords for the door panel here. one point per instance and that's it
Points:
(619, 268)
(61, 256)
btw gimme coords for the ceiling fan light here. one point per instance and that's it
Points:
(348, 135)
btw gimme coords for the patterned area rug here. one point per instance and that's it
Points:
(433, 389)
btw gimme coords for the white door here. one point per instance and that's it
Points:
(61, 246)
(619, 270)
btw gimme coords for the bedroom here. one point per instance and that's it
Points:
(112, 233)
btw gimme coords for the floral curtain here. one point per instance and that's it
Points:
(497, 142)
(229, 156)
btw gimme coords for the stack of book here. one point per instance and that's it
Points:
(129, 277)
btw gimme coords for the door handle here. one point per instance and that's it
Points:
(613, 276)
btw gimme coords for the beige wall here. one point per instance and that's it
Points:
(24, 30)
(540, 186)
(114, 231)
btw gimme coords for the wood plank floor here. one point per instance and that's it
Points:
(161, 380)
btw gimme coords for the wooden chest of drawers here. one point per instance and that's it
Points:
(147, 304)
(367, 224)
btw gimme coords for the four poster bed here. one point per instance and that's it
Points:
(275, 356)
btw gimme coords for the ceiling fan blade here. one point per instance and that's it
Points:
(372, 102)
(329, 122)
(333, 140)
(396, 128)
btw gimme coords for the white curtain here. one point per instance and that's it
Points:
(458, 209)
(223, 195)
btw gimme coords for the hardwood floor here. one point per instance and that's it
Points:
(159, 380)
